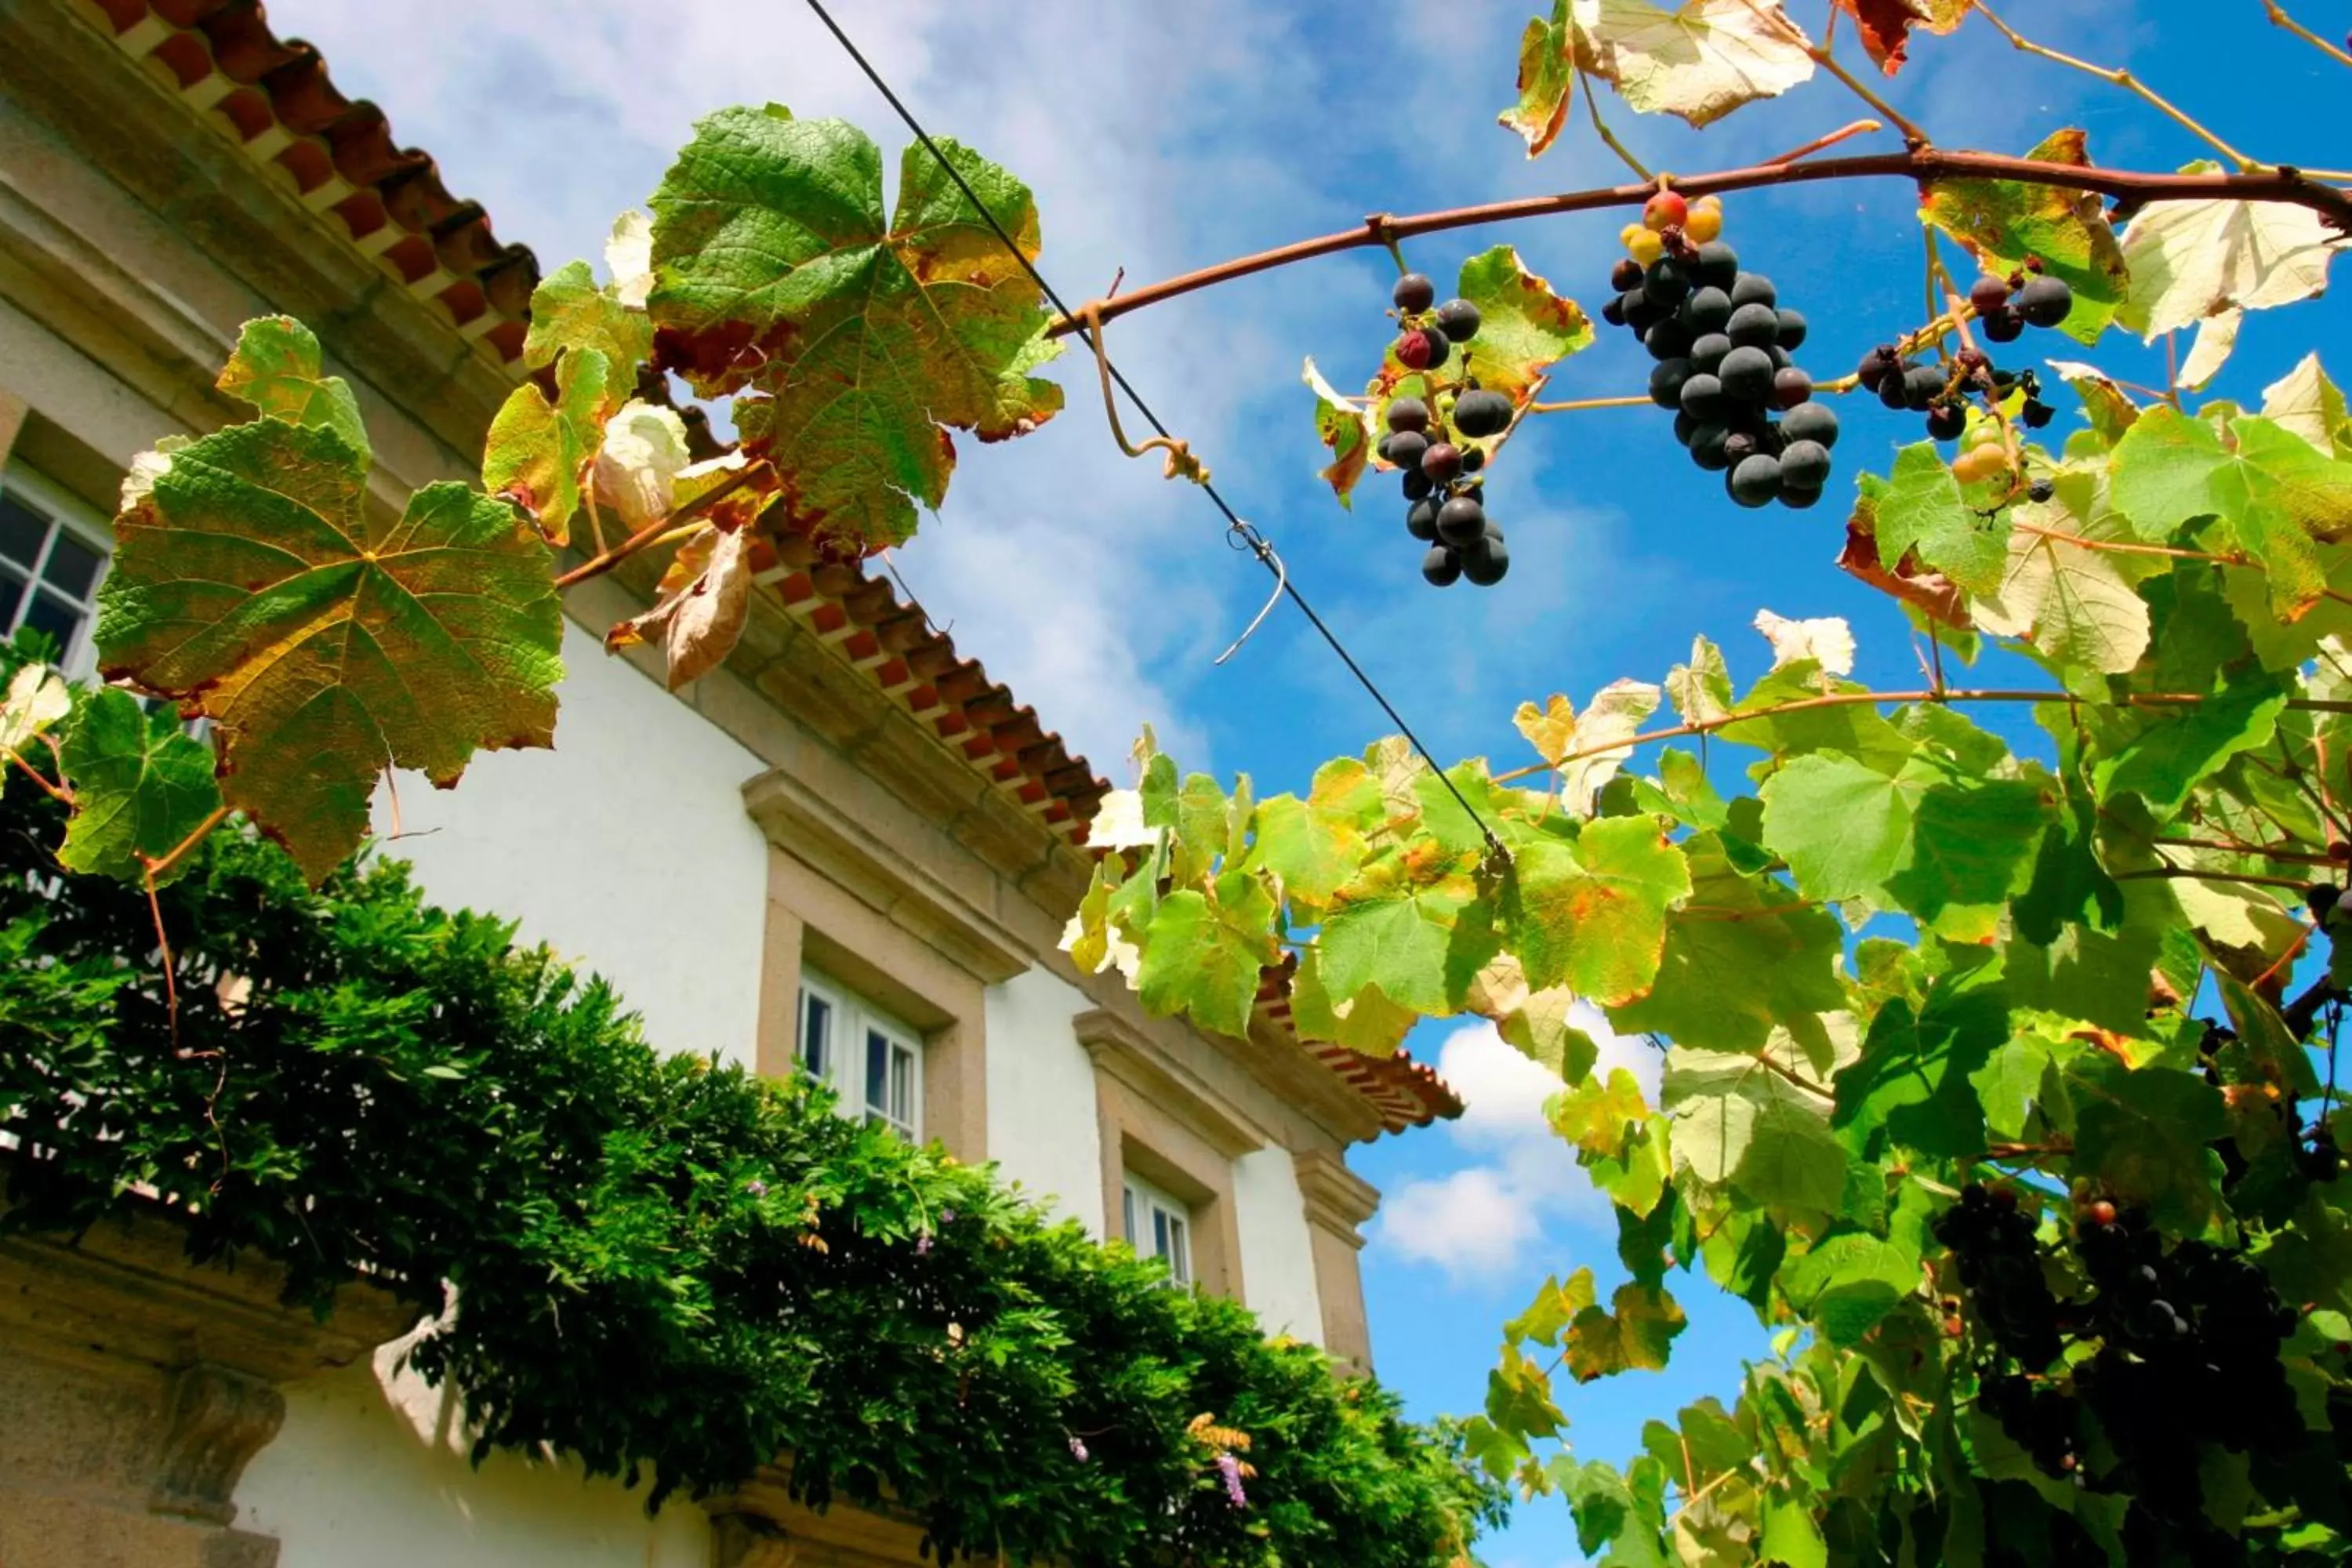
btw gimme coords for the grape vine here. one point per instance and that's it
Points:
(2060, 1259)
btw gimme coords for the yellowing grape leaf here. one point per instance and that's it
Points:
(142, 785)
(629, 260)
(1346, 429)
(2190, 259)
(638, 464)
(1559, 733)
(570, 309)
(539, 453)
(1633, 1335)
(1701, 689)
(700, 607)
(253, 586)
(2105, 404)
(1701, 60)
(1592, 917)
(1206, 951)
(1547, 81)
(1885, 25)
(1828, 642)
(1523, 329)
(2305, 402)
(277, 367)
(37, 698)
(2074, 603)
(869, 336)
(2002, 222)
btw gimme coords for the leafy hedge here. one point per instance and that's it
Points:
(663, 1266)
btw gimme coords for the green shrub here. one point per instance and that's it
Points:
(661, 1265)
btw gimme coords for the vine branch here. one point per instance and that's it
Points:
(2119, 77)
(2279, 18)
(655, 531)
(1923, 164)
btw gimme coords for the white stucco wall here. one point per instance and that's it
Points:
(1041, 1129)
(626, 848)
(1278, 1253)
(370, 1471)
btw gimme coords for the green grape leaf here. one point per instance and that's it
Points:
(1523, 329)
(2192, 259)
(1744, 1121)
(1843, 827)
(1593, 917)
(538, 452)
(2099, 977)
(571, 311)
(1971, 847)
(1317, 845)
(1345, 429)
(2305, 402)
(2143, 1133)
(2173, 749)
(2276, 492)
(1885, 28)
(142, 785)
(1518, 1398)
(1633, 1335)
(1554, 1307)
(1913, 1076)
(1598, 1499)
(870, 336)
(253, 586)
(279, 368)
(1419, 945)
(1547, 81)
(1205, 957)
(2002, 222)
(1701, 60)
(1849, 1282)
(1598, 1117)
(1917, 508)
(1759, 959)
(1792, 1536)
(2105, 404)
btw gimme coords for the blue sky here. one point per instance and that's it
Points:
(1162, 138)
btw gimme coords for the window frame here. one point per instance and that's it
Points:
(68, 514)
(852, 1022)
(1147, 1199)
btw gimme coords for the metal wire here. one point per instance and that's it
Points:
(1244, 534)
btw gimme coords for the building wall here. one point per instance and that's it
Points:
(1041, 1096)
(370, 1471)
(1277, 1252)
(625, 848)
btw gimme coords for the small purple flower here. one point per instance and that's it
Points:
(1231, 1468)
(756, 1187)
(1078, 1449)
(947, 1216)
(923, 1243)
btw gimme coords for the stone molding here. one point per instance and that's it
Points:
(1129, 1054)
(758, 1525)
(220, 1419)
(1338, 1199)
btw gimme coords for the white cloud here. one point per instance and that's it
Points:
(1474, 1221)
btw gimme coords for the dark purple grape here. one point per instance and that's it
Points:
(2001, 326)
(1702, 399)
(1458, 320)
(1485, 560)
(1804, 465)
(1473, 459)
(1404, 449)
(1706, 311)
(2044, 301)
(1416, 484)
(1810, 422)
(1793, 327)
(1947, 422)
(1753, 289)
(1922, 384)
(2035, 414)
(1707, 445)
(1441, 566)
(1666, 382)
(1798, 498)
(1420, 518)
(1988, 295)
(1481, 414)
(1753, 327)
(1442, 462)
(1614, 312)
(1412, 292)
(1665, 285)
(1461, 521)
(1757, 480)
(1792, 387)
(1627, 275)
(1876, 366)
(1739, 447)
(2040, 491)
(1719, 266)
(1747, 375)
(1408, 414)
(1668, 339)
(1708, 353)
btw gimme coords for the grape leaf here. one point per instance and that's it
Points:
(1917, 508)
(2170, 751)
(640, 461)
(1547, 81)
(1316, 846)
(700, 607)
(2105, 404)
(2276, 492)
(1593, 917)
(1971, 847)
(1737, 1121)
(1701, 689)
(1557, 731)
(1842, 826)
(629, 263)
(37, 698)
(1792, 1537)
(538, 452)
(1523, 329)
(1633, 1334)
(1701, 60)
(1913, 1076)
(2074, 603)
(869, 337)
(1760, 959)
(2002, 222)
(570, 310)
(1205, 958)
(1554, 1307)
(253, 586)
(278, 368)
(142, 785)
(2143, 1134)
(1885, 25)
(1407, 940)
(2216, 336)
(2190, 260)
(1597, 1116)
(1345, 429)
(1850, 1280)
(1827, 642)
(2305, 402)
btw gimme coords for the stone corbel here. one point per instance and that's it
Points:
(1338, 1199)
(220, 1419)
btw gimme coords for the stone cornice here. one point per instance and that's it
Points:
(1132, 1056)
(1338, 1199)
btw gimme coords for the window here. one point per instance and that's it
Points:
(873, 1062)
(52, 555)
(1159, 1226)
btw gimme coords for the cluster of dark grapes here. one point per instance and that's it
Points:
(1723, 345)
(1429, 438)
(2187, 1354)
(1999, 1265)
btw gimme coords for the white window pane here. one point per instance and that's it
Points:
(816, 1031)
(878, 1072)
(1126, 1205)
(1179, 1252)
(902, 1085)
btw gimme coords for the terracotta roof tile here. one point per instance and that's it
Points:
(274, 99)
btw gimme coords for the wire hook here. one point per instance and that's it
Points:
(1256, 543)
